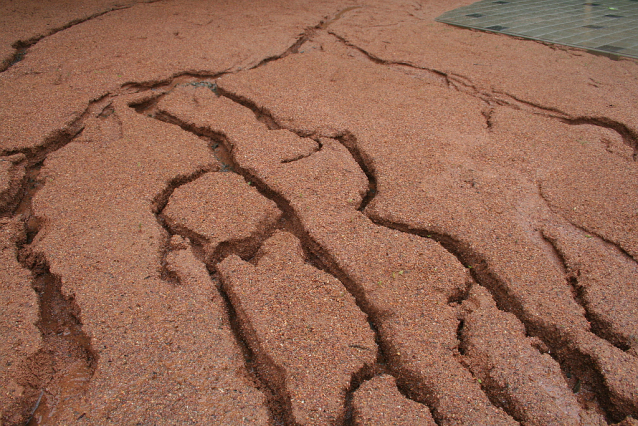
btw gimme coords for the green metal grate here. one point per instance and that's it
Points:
(605, 26)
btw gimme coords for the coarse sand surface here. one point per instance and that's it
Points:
(311, 213)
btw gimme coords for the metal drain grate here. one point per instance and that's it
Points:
(606, 26)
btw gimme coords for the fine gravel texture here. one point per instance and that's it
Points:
(311, 213)
(21, 339)
(307, 333)
(499, 354)
(221, 212)
(379, 402)
(12, 174)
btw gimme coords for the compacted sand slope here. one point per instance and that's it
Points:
(311, 213)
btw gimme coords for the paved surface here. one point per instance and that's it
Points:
(312, 213)
(607, 26)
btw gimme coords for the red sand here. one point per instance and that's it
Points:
(312, 213)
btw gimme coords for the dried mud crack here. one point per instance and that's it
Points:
(593, 351)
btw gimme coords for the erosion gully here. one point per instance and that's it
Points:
(279, 406)
(571, 361)
(66, 344)
(494, 98)
(22, 46)
(319, 257)
(66, 362)
(67, 357)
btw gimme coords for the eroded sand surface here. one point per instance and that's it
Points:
(311, 213)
